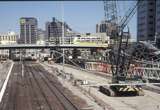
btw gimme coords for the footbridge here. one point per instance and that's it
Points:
(35, 46)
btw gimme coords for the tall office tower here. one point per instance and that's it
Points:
(54, 31)
(106, 27)
(41, 34)
(146, 17)
(158, 17)
(101, 27)
(157, 34)
(28, 30)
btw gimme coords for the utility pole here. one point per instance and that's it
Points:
(63, 32)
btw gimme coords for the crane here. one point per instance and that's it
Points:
(110, 12)
(111, 19)
(123, 23)
(119, 62)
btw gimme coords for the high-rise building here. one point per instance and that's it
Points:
(101, 27)
(8, 38)
(41, 36)
(158, 17)
(28, 30)
(146, 17)
(54, 31)
(107, 27)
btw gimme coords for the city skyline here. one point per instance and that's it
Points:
(82, 16)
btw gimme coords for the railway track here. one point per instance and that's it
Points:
(62, 100)
(36, 89)
(65, 101)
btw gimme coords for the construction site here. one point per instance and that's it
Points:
(104, 71)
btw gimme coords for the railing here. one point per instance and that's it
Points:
(148, 73)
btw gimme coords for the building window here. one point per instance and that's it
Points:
(150, 22)
(141, 29)
(158, 26)
(151, 3)
(158, 19)
(141, 35)
(142, 23)
(150, 16)
(150, 29)
(143, 11)
(158, 5)
(158, 12)
(142, 17)
(151, 10)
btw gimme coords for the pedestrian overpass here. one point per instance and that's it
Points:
(35, 46)
(12, 47)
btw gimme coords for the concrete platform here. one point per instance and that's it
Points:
(78, 74)
(4, 68)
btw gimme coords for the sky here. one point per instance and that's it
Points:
(82, 16)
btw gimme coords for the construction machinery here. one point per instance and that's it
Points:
(123, 81)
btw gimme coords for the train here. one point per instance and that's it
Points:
(17, 56)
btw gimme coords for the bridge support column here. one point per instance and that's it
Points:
(51, 52)
(76, 53)
(10, 53)
(93, 50)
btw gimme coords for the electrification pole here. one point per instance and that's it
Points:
(63, 32)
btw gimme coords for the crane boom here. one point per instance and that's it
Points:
(130, 13)
(120, 62)
(110, 11)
